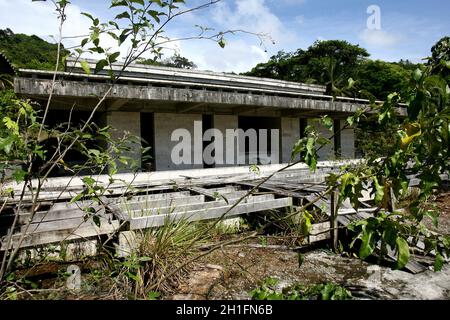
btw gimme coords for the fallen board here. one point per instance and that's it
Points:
(211, 213)
(41, 238)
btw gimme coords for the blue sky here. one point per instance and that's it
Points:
(408, 28)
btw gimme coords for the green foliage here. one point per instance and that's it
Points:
(308, 147)
(420, 148)
(160, 251)
(323, 291)
(329, 63)
(17, 139)
(333, 62)
(440, 58)
(175, 61)
(380, 78)
(30, 52)
(338, 64)
(282, 66)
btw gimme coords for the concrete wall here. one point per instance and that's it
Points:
(290, 134)
(165, 124)
(327, 151)
(126, 122)
(223, 122)
(347, 142)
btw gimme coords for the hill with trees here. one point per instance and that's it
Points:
(29, 52)
(333, 63)
(32, 52)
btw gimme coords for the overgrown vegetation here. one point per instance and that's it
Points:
(421, 150)
(323, 291)
(30, 52)
(332, 63)
(158, 251)
(175, 61)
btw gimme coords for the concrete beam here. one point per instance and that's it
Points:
(188, 108)
(117, 104)
(74, 89)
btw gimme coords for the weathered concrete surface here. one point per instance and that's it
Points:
(124, 122)
(140, 72)
(377, 282)
(128, 243)
(165, 124)
(347, 142)
(74, 89)
(222, 123)
(73, 251)
(326, 153)
(290, 134)
(179, 176)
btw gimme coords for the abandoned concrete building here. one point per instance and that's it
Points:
(152, 102)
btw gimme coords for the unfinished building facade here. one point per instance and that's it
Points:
(153, 102)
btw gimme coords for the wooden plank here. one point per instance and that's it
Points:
(153, 196)
(321, 203)
(151, 204)
(343, 220)
(320, 232)
(203, 191)
(60, 211)
(60, 225)
(197, 206)
(300, 186)
(412, 266)
(41, 238)
(46, 216)
(223, 190)
(212, 213)
(274, 190)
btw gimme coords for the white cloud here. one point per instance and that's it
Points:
(290, 2)
(237, 56)
(253, 16)
(378, 38)
(242, 51)
(300, 19)
(40, 18)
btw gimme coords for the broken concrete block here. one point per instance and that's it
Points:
(129, 241)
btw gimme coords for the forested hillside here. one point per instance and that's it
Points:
(30, 52)
(333, 63)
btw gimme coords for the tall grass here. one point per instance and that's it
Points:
(160, 250)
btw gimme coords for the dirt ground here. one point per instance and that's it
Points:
(443, 203)
(232, 272)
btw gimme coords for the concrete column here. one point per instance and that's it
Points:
(222, 123)
(123, 122)
(290, 134)
(165, 125)
(347, 142)
(327, 151)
